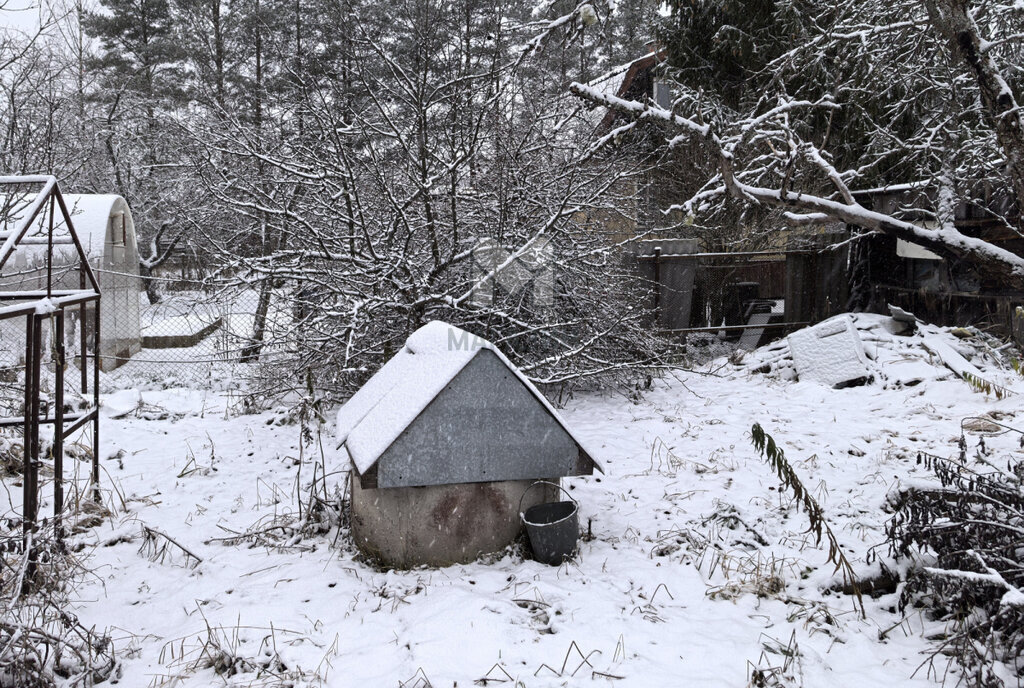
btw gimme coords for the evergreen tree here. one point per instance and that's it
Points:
(139, 85)
(140, 52)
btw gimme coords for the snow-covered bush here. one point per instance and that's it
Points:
(43, 644)
(966, 539)
(458, 184)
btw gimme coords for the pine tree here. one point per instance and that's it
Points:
(140, 53)
(139, 82)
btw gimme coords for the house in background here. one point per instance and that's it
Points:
(637, 80)
(934, 288)
(816, 273)
(695, 278)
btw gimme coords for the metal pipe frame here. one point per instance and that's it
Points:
(54, 305)
(20, 309)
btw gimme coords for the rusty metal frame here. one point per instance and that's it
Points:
(36, 306)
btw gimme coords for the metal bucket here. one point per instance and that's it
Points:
(553, 527)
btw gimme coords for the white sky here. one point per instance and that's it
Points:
(19, 15)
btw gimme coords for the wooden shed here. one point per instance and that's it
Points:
(443, 442)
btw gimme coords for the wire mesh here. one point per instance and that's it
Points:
(190, 334)
(174, 330)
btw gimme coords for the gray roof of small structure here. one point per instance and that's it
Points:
(376, 415)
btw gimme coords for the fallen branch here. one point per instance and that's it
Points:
(156, 544)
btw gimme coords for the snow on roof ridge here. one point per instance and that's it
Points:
(373, 418)
(438, 337)
(620, 69)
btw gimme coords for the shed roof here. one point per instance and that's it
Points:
(398, 393)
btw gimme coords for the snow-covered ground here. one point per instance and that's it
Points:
(697, 572)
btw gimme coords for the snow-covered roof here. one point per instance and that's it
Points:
(395, 396)
(611, 82)
(90, 215)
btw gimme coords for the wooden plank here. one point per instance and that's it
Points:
(755, 330)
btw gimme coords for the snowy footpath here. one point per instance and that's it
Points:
(695, 569)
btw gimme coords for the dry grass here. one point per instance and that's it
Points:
(249, 656)
(41, 644)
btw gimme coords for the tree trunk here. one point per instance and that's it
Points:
(145, 272)
(251, 352)
(953, 22)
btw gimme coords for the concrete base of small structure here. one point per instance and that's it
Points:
(180, 332)
(440, 525)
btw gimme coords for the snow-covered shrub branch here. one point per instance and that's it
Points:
(42, 643)
(363, 211)
(967, 537)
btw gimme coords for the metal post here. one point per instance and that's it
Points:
(27, 518)
(31, 507)
(49, 253)
(82, 311)
(58, 426)
(96, 404)
(657, 284)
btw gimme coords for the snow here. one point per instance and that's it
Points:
(698, 567)
(1012, 598)
(369, 422)
(45, 306)
(179, 325)
(610, 83)
(830, 353)
(588, 15)
(930, 354)
(906, 249)
(855, 214)
(642, 111)
(121, 403)
(957, 363)
(90, 215)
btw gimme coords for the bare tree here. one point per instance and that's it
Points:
(375, 191)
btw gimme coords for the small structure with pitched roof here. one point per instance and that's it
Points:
(443, 441)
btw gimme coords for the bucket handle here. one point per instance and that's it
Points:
(544, 482)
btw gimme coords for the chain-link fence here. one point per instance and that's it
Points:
(194, 333)
(191, 337)
(190, 333)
